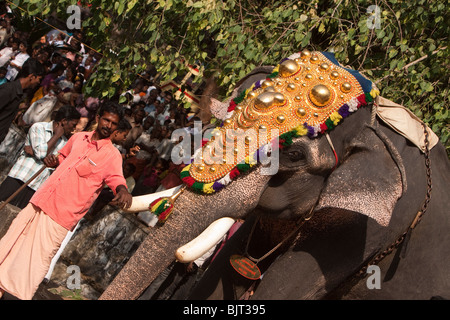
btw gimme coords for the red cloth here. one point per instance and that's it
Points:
(172, 179)
(85, 166)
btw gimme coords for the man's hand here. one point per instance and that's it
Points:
(28, 150)
(134, 150)
(51, 161)
(123, 198)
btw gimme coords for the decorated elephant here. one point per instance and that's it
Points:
(360, 182)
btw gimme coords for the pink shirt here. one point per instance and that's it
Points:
(85, 166)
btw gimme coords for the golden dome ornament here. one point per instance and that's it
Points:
(281, 119)
(334, 75)
(305, 54)
(301, 112)
(320, 95)
(288, 68)
(346, 87)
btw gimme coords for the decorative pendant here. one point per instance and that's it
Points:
(245, 267)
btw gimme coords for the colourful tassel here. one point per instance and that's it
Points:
(162, 208)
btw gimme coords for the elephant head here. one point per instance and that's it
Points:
(334, 162)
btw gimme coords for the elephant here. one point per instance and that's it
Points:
(360, 193)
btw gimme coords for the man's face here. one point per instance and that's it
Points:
(107, 124)
(119, 137)
(139, 116)
(34, 80)
(69, 127)
(148, 123)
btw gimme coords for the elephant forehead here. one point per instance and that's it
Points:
(307, 94)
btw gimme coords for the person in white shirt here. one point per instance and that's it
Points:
(16, 64)
(7, 52)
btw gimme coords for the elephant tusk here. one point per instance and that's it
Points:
(205, 241)
(141, 203)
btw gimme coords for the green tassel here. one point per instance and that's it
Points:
(368, 97)
(329, 123)
(243, 167)
(197, 187)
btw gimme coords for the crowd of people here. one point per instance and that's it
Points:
(151, 114)
(70, 154)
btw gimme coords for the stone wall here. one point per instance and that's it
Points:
(100, 248)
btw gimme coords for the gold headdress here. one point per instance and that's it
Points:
(307, 94)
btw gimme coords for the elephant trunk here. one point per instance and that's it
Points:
(192, 214)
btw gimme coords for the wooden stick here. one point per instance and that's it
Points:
(22, 187)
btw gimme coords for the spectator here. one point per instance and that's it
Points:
(119, 136)
(146, 144)
(136, 130)
(42, 109)
(54, 74)
(6, 30)
(43, 138)
(15, 65)
(11, 93)
(7, 52)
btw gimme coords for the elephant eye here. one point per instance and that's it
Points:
(296, 155)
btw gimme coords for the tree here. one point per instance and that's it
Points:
(401, 45)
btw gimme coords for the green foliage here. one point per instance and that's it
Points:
(229, 38)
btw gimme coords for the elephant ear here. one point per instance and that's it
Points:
(370, 179)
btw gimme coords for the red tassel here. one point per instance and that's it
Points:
(234, 173)
(362, 100)
(231, 106)
(188, 180)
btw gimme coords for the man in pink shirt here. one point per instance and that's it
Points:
(85, 164)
